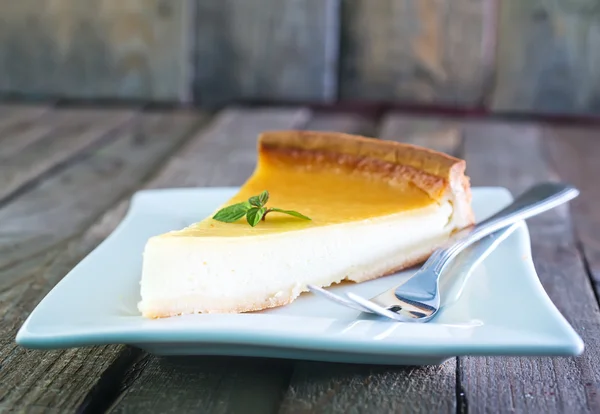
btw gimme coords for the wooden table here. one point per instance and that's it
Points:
(66, 175)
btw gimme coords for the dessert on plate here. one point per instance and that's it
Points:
(339, 207)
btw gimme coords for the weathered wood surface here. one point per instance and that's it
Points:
(354, 123)
(216, 385)
(548, 57)
(508, 56)
(423, 51)
(441, 134)
(575, 153)
(18, 131)
(284, 50)
(52, 224)
(15, 116)
(50, 140)
(324, 387)
(344, 388)
(42, 238)
(512, 156)
(43, 215)
(96, 49)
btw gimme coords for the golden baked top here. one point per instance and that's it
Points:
(388, 160)
(337, 178)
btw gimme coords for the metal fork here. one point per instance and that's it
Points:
(418, 299)
(462, 265)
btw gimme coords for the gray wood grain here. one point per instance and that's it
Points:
(51, 140)
(350, 123)
(574, 152)
(282, 50)
(222, 154)
(43, 236)
(422, 51)
(318, 387)
(20, 135)
(511, 155)
(39, 218)
(216, 385)
(347, 388)
(91, 49)
(548, 57)
(12, 116)
(440, 134)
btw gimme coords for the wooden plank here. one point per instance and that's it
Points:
(57, 212)
(422, 51)
(343, 122)
(324, 387)
(438, 133)
(343, 388)
(20, 135)
(52, 140)
(266, 50)
(231, 136)
(212, 385)
(574, 152)
(15, 115)
(511, 155)
(43, 216)
(548, 57)
(90, 49)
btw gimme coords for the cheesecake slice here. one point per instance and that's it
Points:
(376, 207)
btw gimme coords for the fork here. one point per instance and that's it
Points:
(418, 299)
(463, 265)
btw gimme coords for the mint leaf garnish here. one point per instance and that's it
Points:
(255, 201)
(263, 197)
(259, 200)
(290, 212)
(232, 213)
(254, 209)
(254, 215)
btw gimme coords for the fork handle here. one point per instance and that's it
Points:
(536, 200)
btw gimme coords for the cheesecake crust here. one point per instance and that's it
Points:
(438, 174)
(431, 170)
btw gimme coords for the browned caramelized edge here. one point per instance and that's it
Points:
(431, 170)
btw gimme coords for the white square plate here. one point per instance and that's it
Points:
(502, 309)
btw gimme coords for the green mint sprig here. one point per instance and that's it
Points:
(254, 209)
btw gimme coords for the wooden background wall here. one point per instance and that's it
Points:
(540, 56)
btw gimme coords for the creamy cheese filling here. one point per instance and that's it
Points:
(196, 274)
